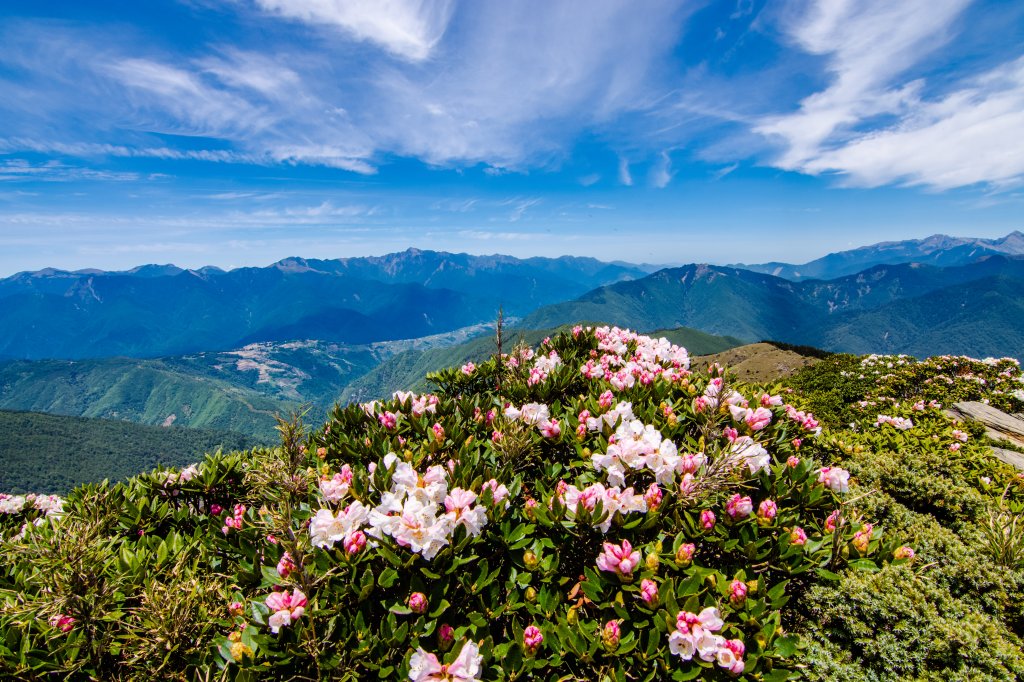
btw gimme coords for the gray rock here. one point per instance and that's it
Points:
(999, 426)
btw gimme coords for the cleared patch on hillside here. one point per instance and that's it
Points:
(757, 362)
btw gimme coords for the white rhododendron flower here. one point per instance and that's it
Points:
(424, 667)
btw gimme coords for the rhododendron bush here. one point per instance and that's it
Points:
(591, 509)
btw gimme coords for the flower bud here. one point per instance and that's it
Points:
(707, 519)
(904, 552)
(737, 592)
(649, 592)
(445, 635)
(797, 536)
(766, 512)
(531, 594)
(530, 560)
(684, 555)
(240, 651)
(572, 617)
(652, 561)
(532, 639)
(236, 608)
(610, 635)
(418, 602)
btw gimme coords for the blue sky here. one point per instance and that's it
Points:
(239, 132)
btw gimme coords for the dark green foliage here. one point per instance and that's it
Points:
(52, 454)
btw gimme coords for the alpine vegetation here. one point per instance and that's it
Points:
(592, 509)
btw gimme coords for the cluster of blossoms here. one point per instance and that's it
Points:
(921, 406)
(535, 414)
(171, 479)
(419, 405)
(901, 423)
(62, 622)
(619, 559)
(419, 512)
(542, 366)
(613, 500)
(695, 635)
(235, 520)
(50, 505)
(651, 358)
(637, 446)
(285, 607)
(424, 667)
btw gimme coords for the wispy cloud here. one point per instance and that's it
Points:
(873, 125)
(661, 171)
(406, 28)
(625, 176)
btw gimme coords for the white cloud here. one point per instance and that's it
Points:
(625, 177)
(661, 171)
(972, 135)
(874, 125)
(406, 28)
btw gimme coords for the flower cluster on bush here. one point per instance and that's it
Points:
(593, 508)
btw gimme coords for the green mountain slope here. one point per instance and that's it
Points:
(894, 308)
(52, 454)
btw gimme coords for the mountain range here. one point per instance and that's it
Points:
(939, 250)
(907, 308)
(228, 350)
(156, 310)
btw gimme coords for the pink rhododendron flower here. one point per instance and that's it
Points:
(532, 639)
(793, 462)
(62, 622)
(606, 399)
(797, 442)
(468, 368)
(955, 446)
(286, 607)
(707, 519)
(236, 608)
(759, 418)
(499, 492)
(619, 559)
(418, 602)
(216, 509)
(797, 536)
(737, 591)
(424, 667)
(649, 591)
(388, 420)
(767, 511)
(653, 497)
(835, 478)
(335, 488)
(731, 434)
(739, 507)
(831, 521)
(550, 428)
(730, 656)
(438, 432)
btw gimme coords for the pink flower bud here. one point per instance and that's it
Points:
(739, 507)
(793, 462)
(438, 432)
(737, 592)
(418, 602)
(286, 565)
(831, 521)
(797, 442)
(496, 437)
(354, 542)
(707, 519)
(610, 634)
(649, 591)
(904, 552)
(797, 536)
(767, 511)
(216, 509)
(684, 555)
(532, 639)
(653, 497)
(445, 635)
